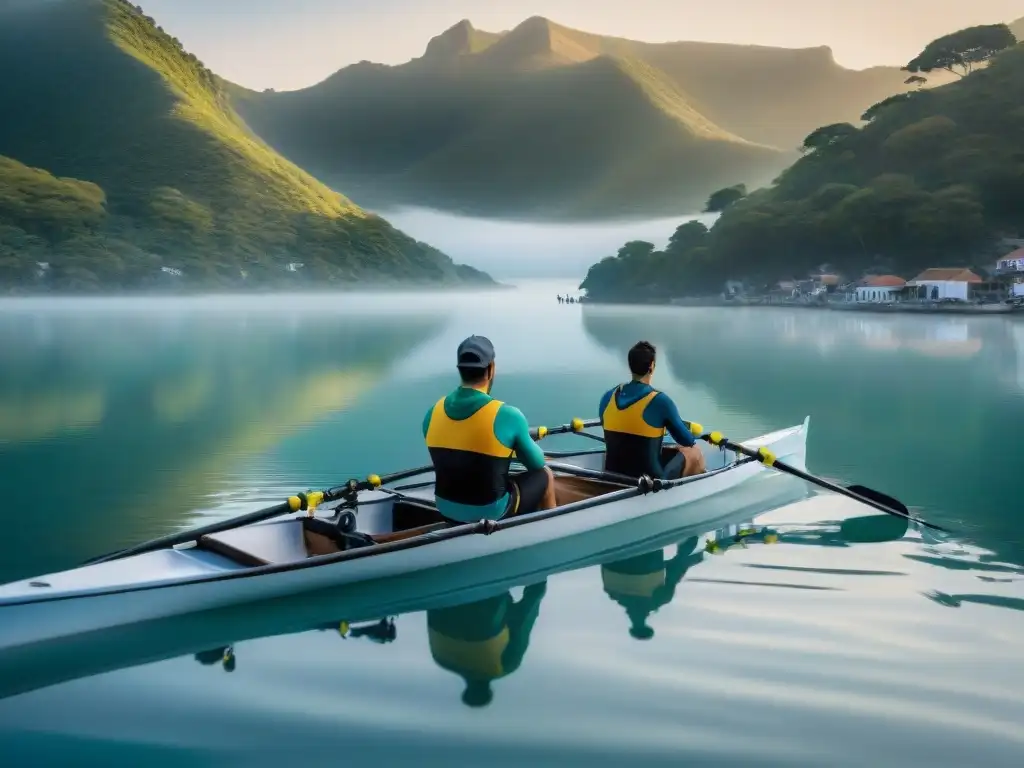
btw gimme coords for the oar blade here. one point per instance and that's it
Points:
(879, 498)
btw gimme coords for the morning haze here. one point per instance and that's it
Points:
(285, 45)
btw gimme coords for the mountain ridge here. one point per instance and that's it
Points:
(184, 182)
(423, 125)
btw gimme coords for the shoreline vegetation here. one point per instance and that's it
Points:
(125, 167)
(932, 178)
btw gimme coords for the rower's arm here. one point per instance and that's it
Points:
(666, 414)
(603, 406)
(521, 618)
(426, 420)
(513, 430)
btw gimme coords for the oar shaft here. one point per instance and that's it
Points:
(767, 458)
(192, 534)
(576, 425)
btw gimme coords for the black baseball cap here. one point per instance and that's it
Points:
(475, 352)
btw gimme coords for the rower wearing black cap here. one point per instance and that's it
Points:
(472, 439)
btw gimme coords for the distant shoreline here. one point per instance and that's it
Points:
(907, 308)
(225, 292)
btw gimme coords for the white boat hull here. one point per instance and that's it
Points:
(172, 582)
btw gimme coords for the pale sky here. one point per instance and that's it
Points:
(287, 44)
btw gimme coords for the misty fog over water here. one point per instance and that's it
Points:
(517, 249)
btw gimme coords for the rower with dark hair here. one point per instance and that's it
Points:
(472, 439)
(635, 417)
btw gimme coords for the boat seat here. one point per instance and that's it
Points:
(570, 489)
(407, 514)
(258, 545)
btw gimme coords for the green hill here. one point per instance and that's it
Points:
(933, 179)
(547, 121)
(152, 167)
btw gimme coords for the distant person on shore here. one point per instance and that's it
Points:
(635, 417)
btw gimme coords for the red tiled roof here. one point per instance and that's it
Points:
(884, 281)
(955, 274)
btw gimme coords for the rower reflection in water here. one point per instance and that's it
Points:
(485, 640)
(647, 582)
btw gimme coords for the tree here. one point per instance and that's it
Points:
(916, 80)
(960, 51)
(688, 236)
(724, 198)
(828, 136)
(873, 111)
(636, 249)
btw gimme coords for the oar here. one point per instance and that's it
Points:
(305, 502)
(576, 425)
(856, 492)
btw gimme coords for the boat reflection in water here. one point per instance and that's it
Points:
(382, 632)
(485, 640)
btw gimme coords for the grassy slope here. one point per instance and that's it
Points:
(532, 124)
(103, 95)
(550, 121)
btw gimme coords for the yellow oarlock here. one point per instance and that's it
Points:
(696, 428)
(717, 438)
(305, 501)
(343, 629)
(577, 425)
(766, 456)
(542, 432)
(374, 480)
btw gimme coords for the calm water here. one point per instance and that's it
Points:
(123, 420)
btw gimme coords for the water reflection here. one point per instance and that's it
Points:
(908, 405)
(381, 632)
(647, 582)
(485, 640)
(143, 417)
(762, 617)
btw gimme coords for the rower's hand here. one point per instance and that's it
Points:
(694, 456)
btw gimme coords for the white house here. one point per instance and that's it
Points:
(945, 283)
(1011, 262)
(879, 288)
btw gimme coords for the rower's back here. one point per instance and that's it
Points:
(632, 443)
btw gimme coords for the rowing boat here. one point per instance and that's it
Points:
(375, 531)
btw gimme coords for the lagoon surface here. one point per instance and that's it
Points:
(124, 419)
